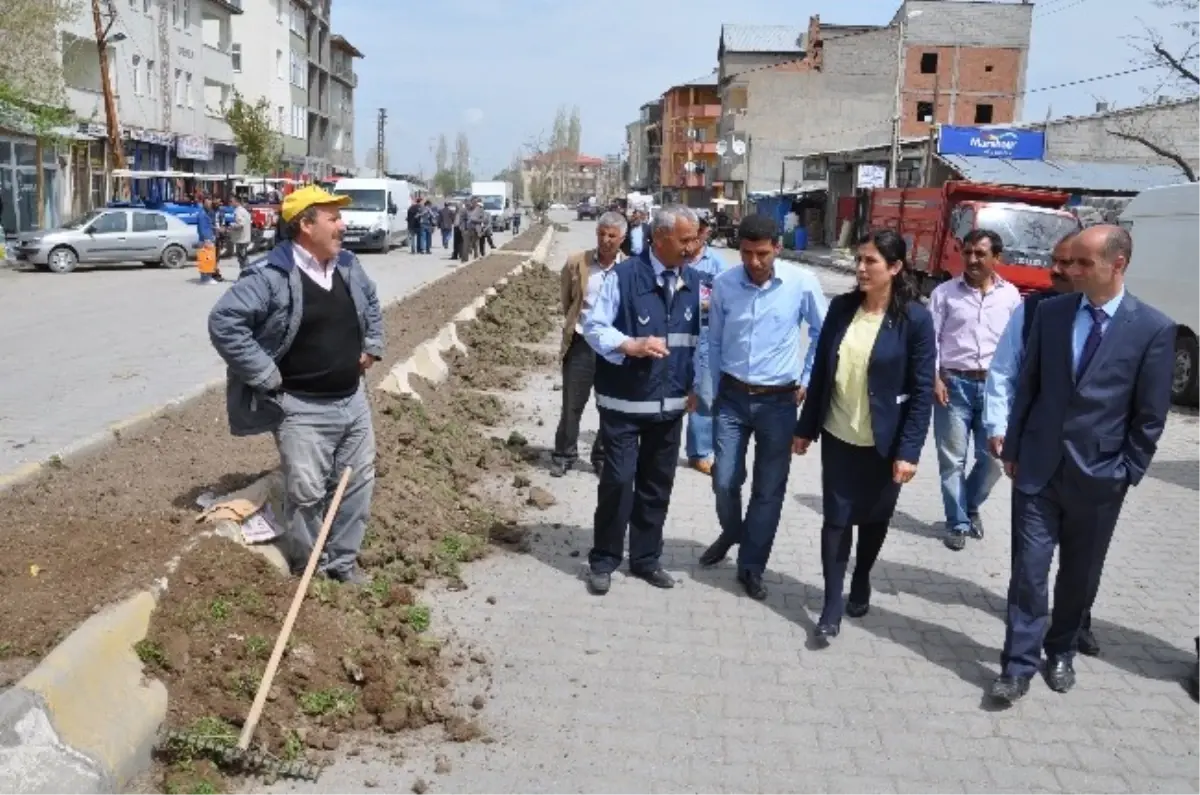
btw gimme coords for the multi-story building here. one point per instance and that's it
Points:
(171, 70)
(690, 112)
(342, 86)
(561, 177)
(790, 91)
(260, 55)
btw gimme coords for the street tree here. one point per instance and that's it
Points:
(442, 156)
(539, 165)
(574, 132)
(462, 161)
(445, 182)
(1175, 68)
(256, 138)
(32, 95)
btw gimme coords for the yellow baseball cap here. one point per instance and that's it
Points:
(300, 200)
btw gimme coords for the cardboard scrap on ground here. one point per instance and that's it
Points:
(249, 508)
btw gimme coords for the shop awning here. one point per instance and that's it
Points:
(1065, 175)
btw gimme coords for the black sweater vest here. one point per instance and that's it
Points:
(323, 359)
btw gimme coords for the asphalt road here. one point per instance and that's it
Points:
(88, 349)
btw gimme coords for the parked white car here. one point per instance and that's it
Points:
(112, 235)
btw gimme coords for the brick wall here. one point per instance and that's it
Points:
(965, 78)
(1174, 127)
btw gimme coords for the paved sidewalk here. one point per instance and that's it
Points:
(701, 689)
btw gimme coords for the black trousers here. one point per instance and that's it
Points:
(640, 459)
(578, 374)
(456, 253)
(835, 559)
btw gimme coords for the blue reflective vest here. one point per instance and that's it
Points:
(648, 388)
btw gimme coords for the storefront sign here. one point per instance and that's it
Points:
(193, 147)
(992, 142)
(184, 52)
(149, 136)
(869, 176)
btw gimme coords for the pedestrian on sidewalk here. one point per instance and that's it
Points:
(428, 221)
(460, 216)
(477, 221)
(296, 369)
(206, 257)
(1001, 384)
(871, 397)
(581, 278)
(516, 219)
(644, 328)
(243, 232)
(446, 223)
(699, 434)
(412, 217)
(1091, 404)
(470, 244)
(637, 239)
(969, 313)
(755, 371)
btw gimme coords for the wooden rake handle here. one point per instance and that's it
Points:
(264, 687)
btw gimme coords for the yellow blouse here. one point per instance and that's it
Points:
(850, 409)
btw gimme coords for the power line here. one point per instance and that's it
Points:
(1054, 10)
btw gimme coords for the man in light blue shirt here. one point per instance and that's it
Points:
(699, 422)
(754, 320)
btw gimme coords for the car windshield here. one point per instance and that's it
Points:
(82, 220)
(493, 202)
(1026, 230)
(374, 201)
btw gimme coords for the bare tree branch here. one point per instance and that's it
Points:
(1174, 63)
(1158, 150)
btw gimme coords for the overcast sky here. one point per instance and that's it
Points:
(498, 69)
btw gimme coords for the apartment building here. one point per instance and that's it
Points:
(171, 70)
(690, 112)
(261, 61)
(342, 86)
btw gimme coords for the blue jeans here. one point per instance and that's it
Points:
(414, 240)
(954, 427)
(516, 226)
(770, 420)
(700, 421)
(319, 437)
(446, 238)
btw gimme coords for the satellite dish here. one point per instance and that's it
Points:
(722, 148)
(739, 147)
(689, 166)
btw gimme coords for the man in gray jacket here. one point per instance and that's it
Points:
(298, 332)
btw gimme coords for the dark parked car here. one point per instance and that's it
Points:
(588, 211)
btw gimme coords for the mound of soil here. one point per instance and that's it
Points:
(359, 657)
(91, 531)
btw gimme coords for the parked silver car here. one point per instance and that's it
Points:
(151, 237)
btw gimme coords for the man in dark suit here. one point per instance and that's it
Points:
(1089, 410)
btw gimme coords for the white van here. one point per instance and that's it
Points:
(376, 217)
(1165, 271)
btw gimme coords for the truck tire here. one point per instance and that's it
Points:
(1184, 391)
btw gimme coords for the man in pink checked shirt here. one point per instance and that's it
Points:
(970, 313)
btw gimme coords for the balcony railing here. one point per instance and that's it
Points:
(701, 111)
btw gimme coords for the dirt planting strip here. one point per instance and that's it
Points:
(88, 532)
(361, 658)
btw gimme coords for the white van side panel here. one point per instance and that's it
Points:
(1165, 271)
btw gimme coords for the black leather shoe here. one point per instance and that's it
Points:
(658, 578)
(559, 468)
(1086, 643)
(599, 582)
(753, 583)
(858, 603)
(857, 609)
(976, 530)
(716, 553)
(1060, 674)
(955, 540)
(826, 632)
(1008, 689)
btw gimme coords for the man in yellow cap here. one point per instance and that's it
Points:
(298, 332)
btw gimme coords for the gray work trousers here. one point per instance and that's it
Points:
(470, 245)
(318, 438)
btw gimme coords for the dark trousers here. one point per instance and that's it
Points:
(640, 458)
(769, 420)
(835, 559)
(1077, 513)
(456, 252)
(578, 373)
(243, 253)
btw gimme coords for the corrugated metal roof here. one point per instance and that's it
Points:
(1064, 174)
(762, 38)
(709, 79)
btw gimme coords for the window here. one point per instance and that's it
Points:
(175, 13)
(279, 64)
(186, 13)
(297, 19)
(137, 75)
(983, 114)
(110, 224)
(281, 122)
(151, 80)
(929, 63)
(987, 67)
(925, 112)
(279, 10)
(235, 57)
(149, 222)
(187, 88)
(299, 70)
(179, 87)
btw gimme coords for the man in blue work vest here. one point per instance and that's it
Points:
(644, 327)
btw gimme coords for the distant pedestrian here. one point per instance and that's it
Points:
(206, 257)
(446, 223)
(969, 313)
(460, 232)
(428, 222)
(516, 219)
(296, 370)
(243, 232)
(412, 219)
(477, 218)
(638, 237)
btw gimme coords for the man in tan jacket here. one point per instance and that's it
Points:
(581, 279)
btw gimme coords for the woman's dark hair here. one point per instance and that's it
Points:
(893, 249)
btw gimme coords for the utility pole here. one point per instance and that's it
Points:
(893, 180)
(381, 142)
(116, 150)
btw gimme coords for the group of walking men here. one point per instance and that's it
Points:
(1066, 391)
(466, 228)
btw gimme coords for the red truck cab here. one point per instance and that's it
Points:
(933, 221)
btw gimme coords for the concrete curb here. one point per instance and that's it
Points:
(86, 719)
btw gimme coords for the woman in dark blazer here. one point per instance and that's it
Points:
(871, 394)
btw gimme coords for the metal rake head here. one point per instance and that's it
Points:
(226, 755)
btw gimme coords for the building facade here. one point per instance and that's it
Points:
(790, 91)
(342, 85)
(688, 165)
(561, 177)
(261, 58)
